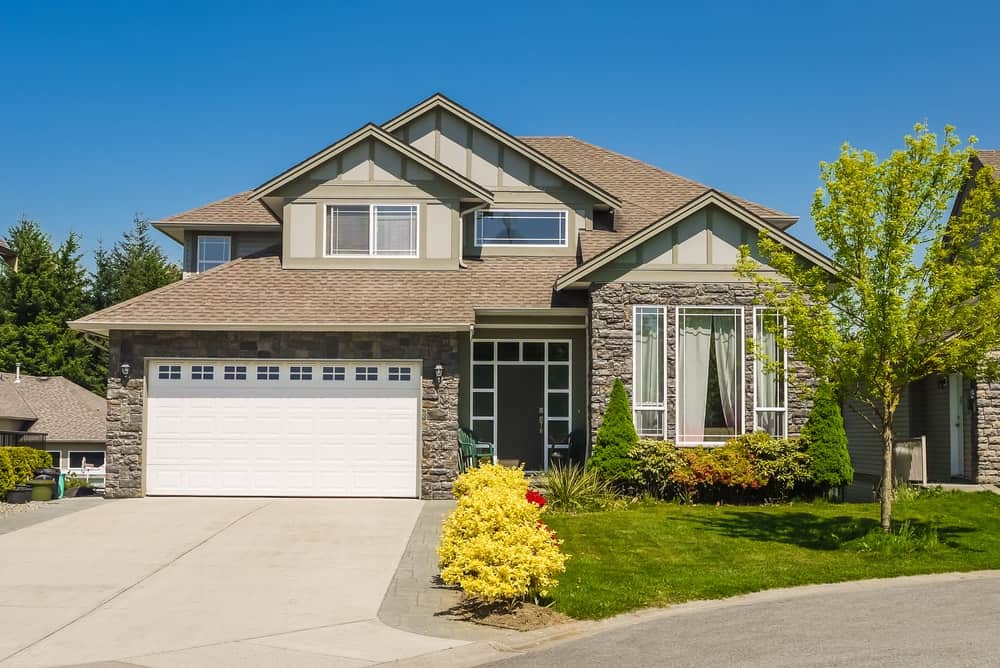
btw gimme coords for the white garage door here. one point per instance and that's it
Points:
(279, 428)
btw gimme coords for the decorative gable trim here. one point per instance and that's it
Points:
(440, 101)
(711, 197)
(374, 132)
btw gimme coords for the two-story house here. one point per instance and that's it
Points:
(341, 321)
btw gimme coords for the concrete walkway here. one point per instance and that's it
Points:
(208, 582)
(417, 601)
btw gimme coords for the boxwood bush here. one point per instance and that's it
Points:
(18, 464)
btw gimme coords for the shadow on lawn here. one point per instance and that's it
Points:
(806, 529)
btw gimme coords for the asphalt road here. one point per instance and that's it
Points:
(951, 621)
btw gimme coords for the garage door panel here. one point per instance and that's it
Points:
(283, 437)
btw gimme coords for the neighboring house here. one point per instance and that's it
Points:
(344, 318)
(7, 255)
(958, 417)
(57, 415)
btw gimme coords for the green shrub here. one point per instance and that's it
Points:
(18, 464)
(611, 457)
(573, 488)
(655, 463)
(75, 481)
(783, 462)
(826, 442)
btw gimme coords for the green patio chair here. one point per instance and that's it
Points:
(471, 450)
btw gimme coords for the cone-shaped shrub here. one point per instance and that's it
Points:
(826, 442)
(616, 437)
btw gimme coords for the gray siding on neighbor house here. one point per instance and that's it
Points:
(864, 442)
(439, 423)
(611, 344)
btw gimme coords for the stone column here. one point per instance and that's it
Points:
(123, 465)
(987, 456)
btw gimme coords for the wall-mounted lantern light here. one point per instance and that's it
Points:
(125, 370)
(438, 372)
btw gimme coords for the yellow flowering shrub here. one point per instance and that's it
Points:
(490, 475)
(495, 546)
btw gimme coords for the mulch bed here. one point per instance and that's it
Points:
(522, 617)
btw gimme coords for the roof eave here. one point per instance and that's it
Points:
(105, 328)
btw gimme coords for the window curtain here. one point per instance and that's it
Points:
(649, 371)
(695, 342)
(724, 339)
(769, 381)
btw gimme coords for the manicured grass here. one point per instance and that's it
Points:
(658, 553)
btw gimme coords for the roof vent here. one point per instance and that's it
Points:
(17, 372)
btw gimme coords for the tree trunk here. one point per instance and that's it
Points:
(888, 440)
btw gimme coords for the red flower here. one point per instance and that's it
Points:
(535, 497)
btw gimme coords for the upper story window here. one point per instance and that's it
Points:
(213, 251)
(521, 228)
(377, 230)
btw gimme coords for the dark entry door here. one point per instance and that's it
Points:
(520, 402)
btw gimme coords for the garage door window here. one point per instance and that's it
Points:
(267, 373)
(334, 372)
(234, 373)
(300, 373)
(202, 372)
(169, 372)
(400, 373)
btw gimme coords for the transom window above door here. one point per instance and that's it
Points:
(213, 251)
(375, 230)
(521, 228)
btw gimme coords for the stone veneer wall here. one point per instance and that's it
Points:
(986, 459)
(439, 425)
(611, 343)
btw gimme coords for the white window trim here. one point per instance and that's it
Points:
(662, 407)
(372, 230)
(545, 362)
(198, 261)
(96, 470)
(477, 242)
(784, 370)
(741, 427)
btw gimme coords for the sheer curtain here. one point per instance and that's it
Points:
(396, 230)
(694, 342)
(725, 339)
(649, 371)
(768, 393)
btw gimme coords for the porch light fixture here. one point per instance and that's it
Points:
(438, 372)
(125, 370)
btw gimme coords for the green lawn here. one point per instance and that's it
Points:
(657, 554)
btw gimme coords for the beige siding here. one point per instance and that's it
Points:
(300, 219)
(698, 248)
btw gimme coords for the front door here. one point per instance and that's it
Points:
(520, 414)
(957, 424)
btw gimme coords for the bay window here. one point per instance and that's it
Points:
(648, 370)
(770, 384)
(709, 374)
(379, 230)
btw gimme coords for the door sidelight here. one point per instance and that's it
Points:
(541, 419)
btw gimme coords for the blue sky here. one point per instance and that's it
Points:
(158, 107)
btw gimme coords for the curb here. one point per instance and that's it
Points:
(478, 653)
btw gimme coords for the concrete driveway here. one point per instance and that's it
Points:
(220, 582)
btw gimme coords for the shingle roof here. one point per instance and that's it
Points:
(991, 157)
(59, 407)
(5, 250)
(236, 209)
(257, 290)
(648, 193)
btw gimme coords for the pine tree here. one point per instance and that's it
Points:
(133, 266)
(616, 437)
(49, 289)
(826, 442)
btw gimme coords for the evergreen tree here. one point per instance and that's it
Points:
(826, 442)
(616, 437)
(49, 289)
(134, 265)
